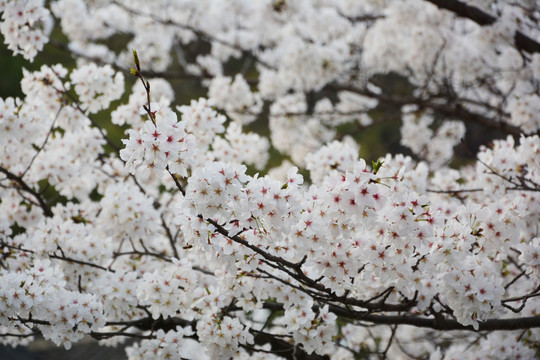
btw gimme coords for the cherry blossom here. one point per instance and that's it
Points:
(255, 215)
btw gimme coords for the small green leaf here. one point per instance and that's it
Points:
(136, 59)
(377, 165)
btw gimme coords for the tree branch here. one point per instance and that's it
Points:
(24, 186)
(461, 9)
(80, 262)
(440, 324)
(432, 323)
(455, 110)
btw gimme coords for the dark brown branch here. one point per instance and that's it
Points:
(3, 244)
(534, 293)
(44, 141)
(461, 9)
(455, 110)
(385, 352)
(452, 192)
(311, 293)
(362, 18)
(30, 321)
(107, 335)
(276, 259)
(24, 186)
(298, 274)
(80, 262)
(176, 181)
(516, 278)
(35, 333)
(288, 350)
(141, 253)
(278, 345)
(283, 348)
(432, 323)
(448, 324)
(170, 237)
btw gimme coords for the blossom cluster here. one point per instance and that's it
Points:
(173, 344)
(26, 26)
(223, 336)
(188, 237)
(159, 146)
(162, 94)
(239, 147)
(202, 121)
(434, 146)
(236, 98)
(164, 291)
(63, 321)
(96, 86)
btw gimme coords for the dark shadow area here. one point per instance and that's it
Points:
(47, 351)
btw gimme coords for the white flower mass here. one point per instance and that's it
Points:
(246, 223)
